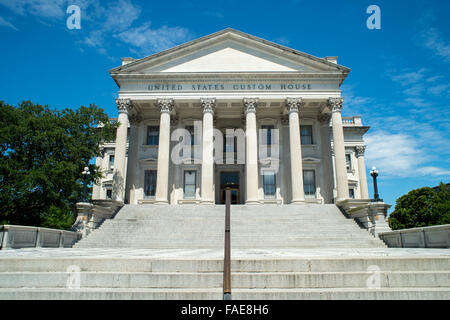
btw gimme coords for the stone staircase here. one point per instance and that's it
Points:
(252, 278)
(258, 226)
(278, 252)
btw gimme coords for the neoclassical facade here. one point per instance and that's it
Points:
(230, 110)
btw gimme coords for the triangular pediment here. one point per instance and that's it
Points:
(229, 51)
(229, 56)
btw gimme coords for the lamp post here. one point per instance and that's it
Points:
(374, 174)
(85, 174)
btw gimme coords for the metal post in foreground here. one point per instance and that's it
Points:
(227, 254)
(85, 174)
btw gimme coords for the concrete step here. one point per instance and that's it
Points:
(247, 280)
(111, 294)
(216, 294)
(342, 294)
(307, 264)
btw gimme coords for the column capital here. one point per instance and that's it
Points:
(335, 104)
(250, 104)
(165, 105)
(360, 150)
(124, 105)
(294, 104)
(324, 118)
(208, 104)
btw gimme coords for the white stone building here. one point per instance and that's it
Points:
(281, 98)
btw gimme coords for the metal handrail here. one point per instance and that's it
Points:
(227, 249)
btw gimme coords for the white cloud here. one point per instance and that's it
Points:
(431, 38)
(400, 155)
(408, 78)
(148, 40)
(7, 24)
(438, 89)
(40, 8)
(418, 102)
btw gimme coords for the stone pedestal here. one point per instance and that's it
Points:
(370, 215)
(84, 214)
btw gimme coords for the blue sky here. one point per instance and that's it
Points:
(399, 83)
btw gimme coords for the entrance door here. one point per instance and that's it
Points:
(230, 180)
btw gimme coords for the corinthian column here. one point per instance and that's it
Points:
(362, 171)
(335, 105)
(207, 186)
(327, 161)
(251, 151)
(124, 106)
(162, 174)
(298, 193)
(132, 164)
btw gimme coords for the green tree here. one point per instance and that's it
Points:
(421, 207)
(42, 154)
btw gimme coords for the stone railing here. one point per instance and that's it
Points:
(426, 237)
(352, 121)
(16, 237)
(369, 215)
(91, 215)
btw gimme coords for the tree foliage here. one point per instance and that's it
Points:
(42, 154)
(422, 207)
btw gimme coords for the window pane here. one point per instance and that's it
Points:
(190, 132)
(351, 193)
(150, 183)
(306, 134)
(111, 162)
(269, 184)
(267, 134)
(348, 160)
(309, 182)
(189, 184)
(153, 135)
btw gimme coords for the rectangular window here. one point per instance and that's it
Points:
(108, 194)
(152, 135)
(189, 184)
(190, 129)
(229, 143)
(309, 183)
(351, 193)
(269, 184)
(267, 134)
(111, 163)
(306, 134)
(150, 183)
(348, 161)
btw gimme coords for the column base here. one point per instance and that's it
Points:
(210, 202)
(298, 201)
(252, 202)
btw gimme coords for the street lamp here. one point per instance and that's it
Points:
(374, 174)
(85, 174)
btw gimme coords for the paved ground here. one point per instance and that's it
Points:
(216, 253)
